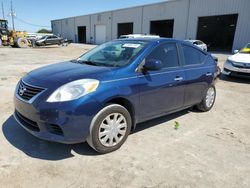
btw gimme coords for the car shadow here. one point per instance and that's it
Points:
(41, 149)
(234, 79)
(47, 47)
(151, 123)
(52, 151)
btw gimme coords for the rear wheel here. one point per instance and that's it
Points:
(208, 101)
(60, 43)
(22, 43)
(109, 128)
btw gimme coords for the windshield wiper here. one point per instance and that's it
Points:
(88, 62)
(96, 63)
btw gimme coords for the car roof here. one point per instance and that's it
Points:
(140, 35)
(150, 39)
(192, 40)
(160, 40)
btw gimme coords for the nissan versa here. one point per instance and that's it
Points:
(101, 96)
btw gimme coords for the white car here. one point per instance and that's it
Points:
(199, 43)
(138, 36)
(239, 63)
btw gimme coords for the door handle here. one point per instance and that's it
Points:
(209, 74)
(178, 78)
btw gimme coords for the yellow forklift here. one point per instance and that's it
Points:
(12, 38)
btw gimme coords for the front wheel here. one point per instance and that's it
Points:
(109, 128)
(209, 99)
(22, 43)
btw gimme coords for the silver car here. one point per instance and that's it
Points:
(199, 43)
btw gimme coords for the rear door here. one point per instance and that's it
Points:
(55, 40)
(51, 40)
(162, 91)
(197, 73)
(48, 40)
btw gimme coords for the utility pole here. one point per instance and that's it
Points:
(12, 14)
(3, 11)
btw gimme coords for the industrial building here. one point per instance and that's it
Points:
(222, 24)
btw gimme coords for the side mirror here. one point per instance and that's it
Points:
(236, 51)
(152, 64)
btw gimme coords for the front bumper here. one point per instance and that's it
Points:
(66, 122)
(231, 70)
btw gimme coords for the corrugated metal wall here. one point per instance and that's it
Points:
(200, 8)
(83, 21)
(176, 10)
(127, 15)
(184, 12)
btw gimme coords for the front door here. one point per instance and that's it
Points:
(162, 91)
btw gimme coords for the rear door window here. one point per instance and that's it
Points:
(192, 55)
(166, 53)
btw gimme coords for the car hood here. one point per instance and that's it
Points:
(240, 57)
(62, 73)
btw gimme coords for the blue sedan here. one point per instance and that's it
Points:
(102, 95)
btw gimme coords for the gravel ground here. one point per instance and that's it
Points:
(208, 150)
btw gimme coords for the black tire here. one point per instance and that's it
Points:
(203, 105)
(93, 138)
(22, 43)
(60, 43)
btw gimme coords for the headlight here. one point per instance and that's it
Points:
(235, 64)
(238, 64)
(74, 90)
(229, 62)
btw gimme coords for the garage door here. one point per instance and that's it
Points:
(100, 34)
(163, 28)
(125, 29)
(217, 31)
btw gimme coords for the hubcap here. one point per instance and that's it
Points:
(210, 97)
(112, 130)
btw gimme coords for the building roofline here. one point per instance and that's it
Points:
(114, 10)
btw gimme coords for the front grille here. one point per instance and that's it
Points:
(55, 129)
(242, 74)
(27, 92)
(27, 122)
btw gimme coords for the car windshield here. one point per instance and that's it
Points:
(113, 54)
(43, 37)
(246, 49)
